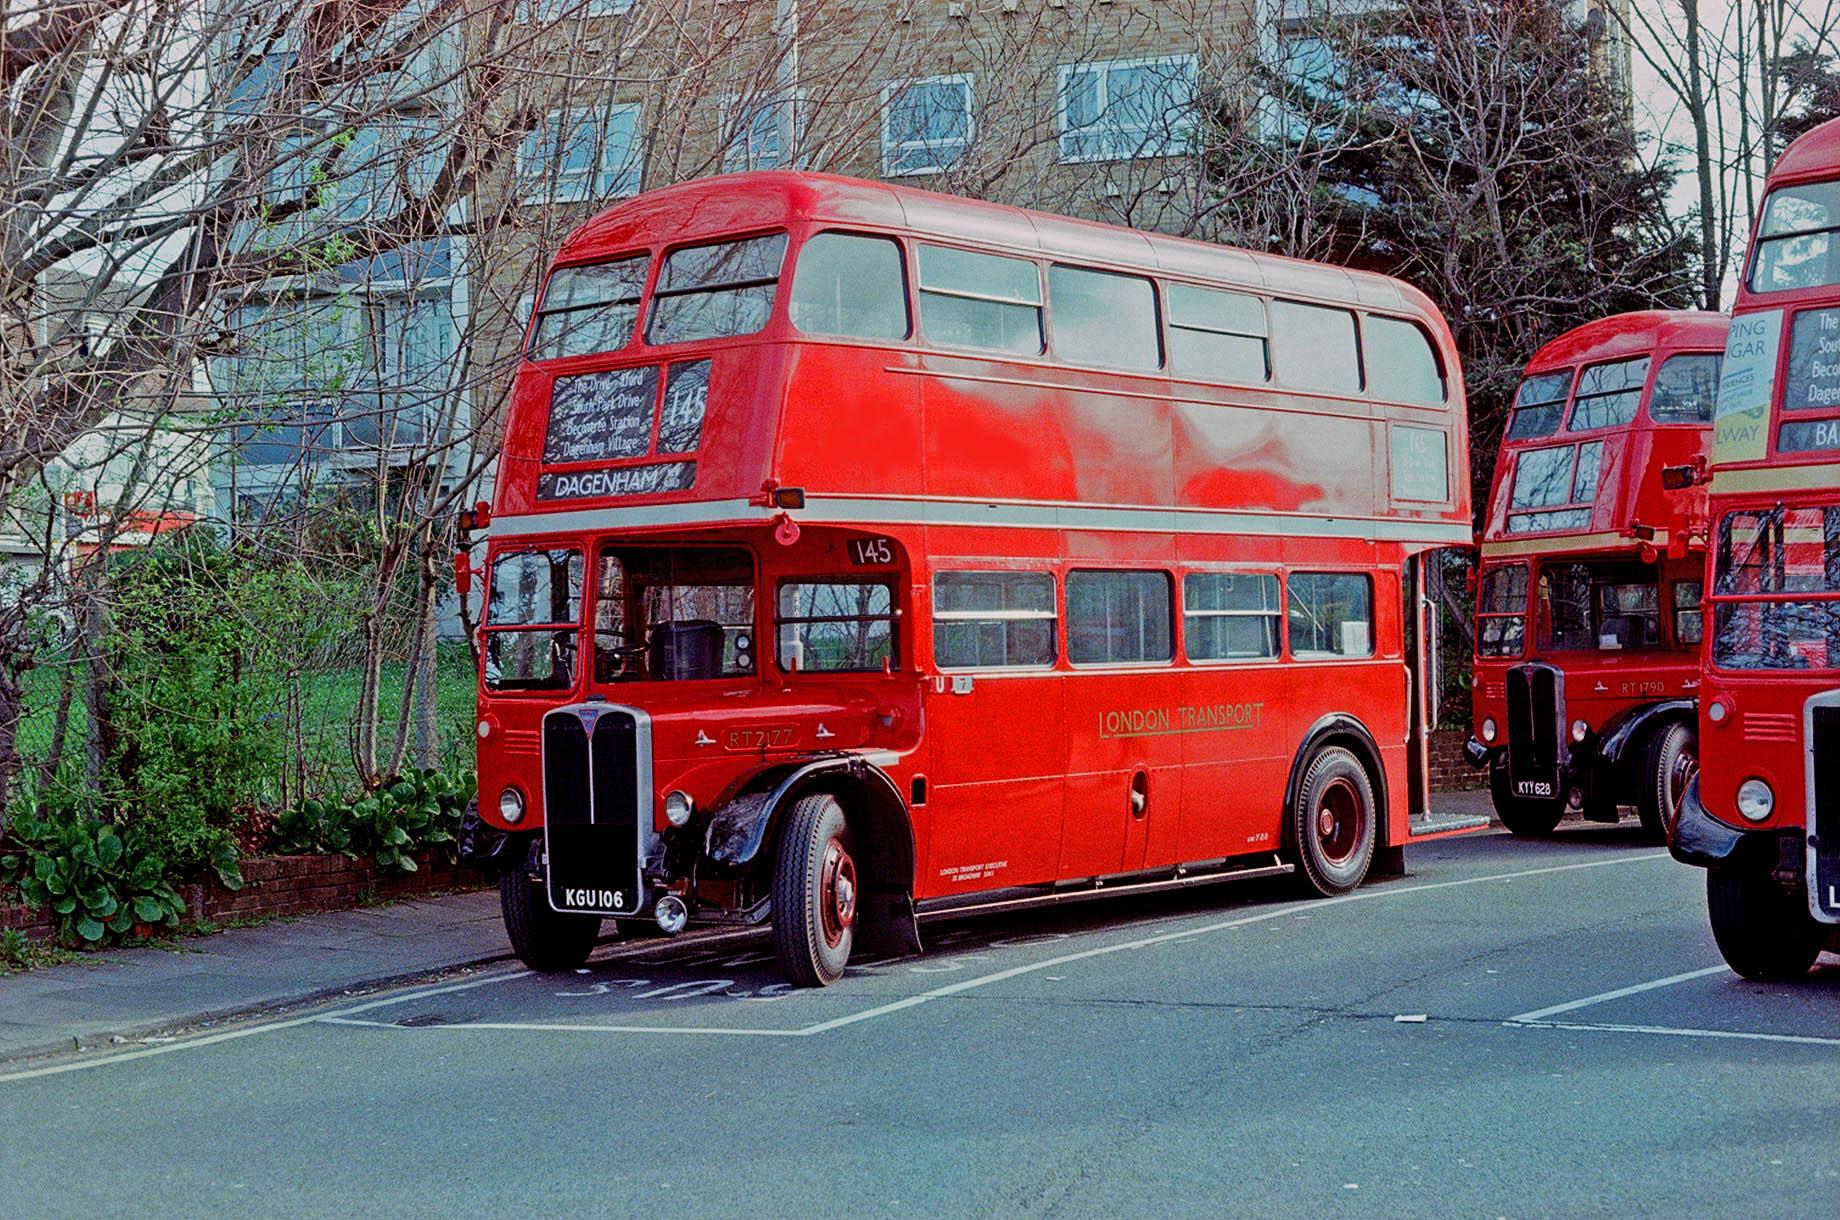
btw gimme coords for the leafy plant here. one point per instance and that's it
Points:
(98, 882)
(421, 809)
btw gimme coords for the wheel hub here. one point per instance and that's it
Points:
(837, 893)
(1338, 821)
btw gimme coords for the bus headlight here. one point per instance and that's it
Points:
(1580, 730)
(1755, 799)
(1718, 710)
(678, 807)
(511, 804)
(1488, 728)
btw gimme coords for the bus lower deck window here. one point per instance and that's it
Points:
(1331, 615)
(835, 626)
(993, 620)
(1502, 610)
(533, 610)
(1230, 616)
(1119, 617)
(667, 614)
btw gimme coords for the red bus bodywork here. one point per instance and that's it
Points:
(920, 467)
(1587, 641)
(1764, 815)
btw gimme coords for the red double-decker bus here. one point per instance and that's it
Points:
(1764, 816)
(860, 552)
(1588, 614)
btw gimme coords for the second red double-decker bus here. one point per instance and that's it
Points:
(1588, 615)
(859, 551)
(1764, 815)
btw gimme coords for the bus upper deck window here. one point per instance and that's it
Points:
(713, 292)
(533, 607)
(1685, 389)
(1218, 336)
(980, 300)
(1401, 367)
(851, 286)
(1795, 243)
(1539, 404)
(1102, 318)
(1314, 348)
(1608, 394)
(589, 309)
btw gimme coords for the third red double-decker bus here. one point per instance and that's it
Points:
(1764, 815)
(860, 552)
(1588, 618)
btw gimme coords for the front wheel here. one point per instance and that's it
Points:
(1528, 817)
(814, 892)
(1332, 822)
(545, 940)
(1763, 931)
(1673, 760)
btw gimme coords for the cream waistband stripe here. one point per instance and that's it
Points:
(1022, 515)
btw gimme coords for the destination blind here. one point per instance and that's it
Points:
(594, 417)
(1812, 382)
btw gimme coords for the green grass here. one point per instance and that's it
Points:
(328, 706)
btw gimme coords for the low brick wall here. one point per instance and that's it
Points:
(286, 885)
(1450, 771)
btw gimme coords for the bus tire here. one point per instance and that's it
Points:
(1333, 822)
(814, 892)
(1763, 931)
(545, 940)
(1525, 817)
(1672, 759)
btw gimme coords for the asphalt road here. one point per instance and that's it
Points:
(1515, 1029)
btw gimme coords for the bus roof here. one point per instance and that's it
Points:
(733, 203)
(1813, 153)
(1633, 334)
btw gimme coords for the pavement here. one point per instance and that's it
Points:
(125, 995)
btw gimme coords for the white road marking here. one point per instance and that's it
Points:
(344, 1016)
(1604, 997)
(250, 1031)
(1672, 1032)
(999, 976)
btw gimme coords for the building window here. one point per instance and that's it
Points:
(575, 155)
(542, 12)
(1124, 108)
(1118, 618)
(1229, 617)
(759, 134)
(993, 620)
(1331, 615)
(926, 125)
